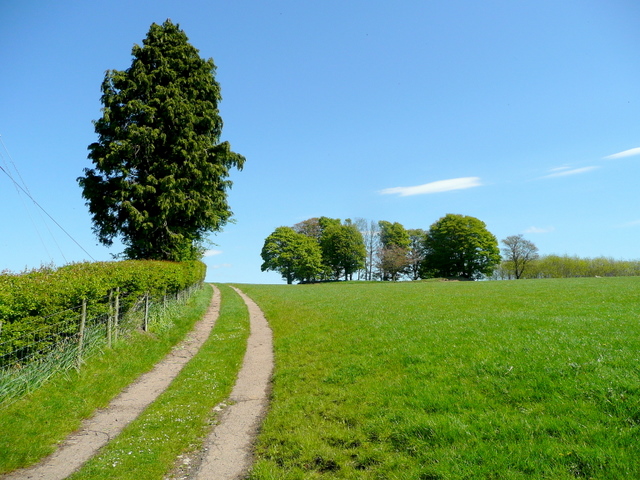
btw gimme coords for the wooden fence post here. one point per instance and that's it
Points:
(83, 321)
(116, 315)
(110, 319)
(146, 312)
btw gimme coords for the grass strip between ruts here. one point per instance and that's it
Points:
(31, 427)
(179, 420)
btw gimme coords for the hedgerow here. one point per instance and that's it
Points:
(36, 303)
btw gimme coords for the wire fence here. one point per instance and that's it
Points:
(66, 339)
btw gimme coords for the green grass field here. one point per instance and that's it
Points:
(453, 380)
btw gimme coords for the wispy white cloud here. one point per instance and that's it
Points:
(221, 265)
(539, 230)
(633, 223)
(566, 171)
(434, 187)
(626, 153)
(211, 253)
(560, 169)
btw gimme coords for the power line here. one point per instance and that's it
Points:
(35, 226)
(26, 192)
(46, 213)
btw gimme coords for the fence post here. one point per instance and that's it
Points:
(83, 321)
(116, 315)
(146, 312)
(110, 319)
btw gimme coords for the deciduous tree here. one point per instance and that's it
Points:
(310, 228)
(518, 253)
(294, 255)
(393, 262)
(460, 246)
(393, 234)
(393, 254)
(160, 176)
(370, 231)
(416, 253)
(343, 248)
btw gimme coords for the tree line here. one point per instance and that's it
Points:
(521, 260)
(568, 266)
(455, 246)
(321, 249)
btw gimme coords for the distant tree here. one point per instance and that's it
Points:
(394, 248)
(393, 234)
(501, 272)
(460, 246)
(343, 248)
(310, 228)
(416, 253)
(296, 256)
(370, 231)
(518, 253)
(393, 262)
(159, 180)
(566, 266)
(324, 222)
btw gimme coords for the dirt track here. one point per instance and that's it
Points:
(229, 446)
(228, 451)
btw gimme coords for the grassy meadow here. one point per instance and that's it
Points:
(453, 380)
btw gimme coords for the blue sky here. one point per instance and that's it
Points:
(523, 114)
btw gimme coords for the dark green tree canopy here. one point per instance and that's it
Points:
(160, 174)
(316, 249)
(460, 246)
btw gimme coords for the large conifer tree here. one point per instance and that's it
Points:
(160, 175)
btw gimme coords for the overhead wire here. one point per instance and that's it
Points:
(25, 190)
(33, 223)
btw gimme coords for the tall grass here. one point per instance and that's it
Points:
(470, 380)
(31, 427)
(30, 373)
